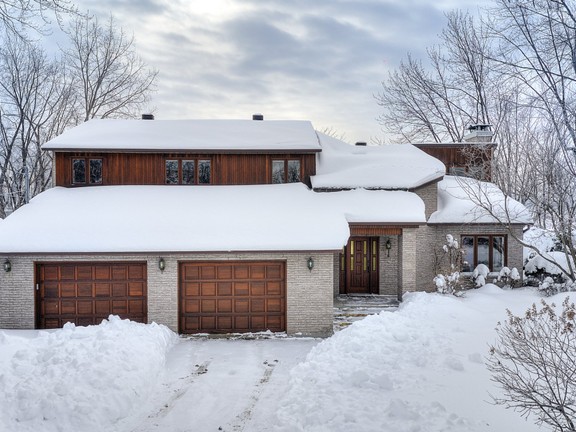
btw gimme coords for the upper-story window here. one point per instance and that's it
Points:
(285, 171)
(188, 171)
(86, 170)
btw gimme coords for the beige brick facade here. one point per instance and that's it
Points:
(309, 293)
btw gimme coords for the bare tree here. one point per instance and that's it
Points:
(533, 362)
(111, 79)
(33, 108)
(436, 101)
(19, 16)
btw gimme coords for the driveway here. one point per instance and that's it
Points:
(224, 385)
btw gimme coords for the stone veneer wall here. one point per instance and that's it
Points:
(435, 237)
(390, 266)
(429, 194)
(309, 293)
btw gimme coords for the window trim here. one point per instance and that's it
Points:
(87, 171)
(180, 172)
(490, 249)
(285, 160)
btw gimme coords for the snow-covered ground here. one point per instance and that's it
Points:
(419, 368)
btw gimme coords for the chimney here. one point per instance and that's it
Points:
(257, 117)
(147, 116)
(479, 133)
(361, 144)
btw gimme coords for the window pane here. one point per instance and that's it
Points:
(293, 171)
(78, 171)
(95, 171)
(497, 253)
(484, 251)
(171, 172)
(188, 172)
(204, 171)
(467, 245)
(278, 171)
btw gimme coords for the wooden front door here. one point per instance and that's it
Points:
(361, 266)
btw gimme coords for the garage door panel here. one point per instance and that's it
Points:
(101, 289)
(233, 296)
(68, 307)
(208, 306)
(136, 289)
(241, 289)
(68, 289)
(84, 272)
(67, 273)
(224, 289)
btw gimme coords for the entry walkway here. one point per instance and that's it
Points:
(350, 308)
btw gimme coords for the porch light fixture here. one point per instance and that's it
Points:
(7, 266)
(161, 264)
(388, 246)
(310, 264)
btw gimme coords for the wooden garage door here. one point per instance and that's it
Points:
(86, 293)
(232, 297)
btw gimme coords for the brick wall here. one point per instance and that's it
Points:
(429, 194)
(389, 266)
(309, 293)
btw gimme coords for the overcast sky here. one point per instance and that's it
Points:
(320, 60)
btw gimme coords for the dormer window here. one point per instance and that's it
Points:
(86, 170)
(188, 171)
(285, 171)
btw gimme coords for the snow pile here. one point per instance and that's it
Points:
(418, 369)
(541, 263)
(459, 199)
(393, 166)
(80, 378)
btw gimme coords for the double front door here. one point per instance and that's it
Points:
(359, 269)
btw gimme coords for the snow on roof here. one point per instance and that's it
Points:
(458, 199)
(395, 166)
(180, 135)
(198, 218)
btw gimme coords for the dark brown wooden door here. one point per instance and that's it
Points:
(86, 293)
(361, 265)
(232, 297)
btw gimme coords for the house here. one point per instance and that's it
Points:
(217, 226)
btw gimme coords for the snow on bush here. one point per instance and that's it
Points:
(509, 277)
(480, 274)
(80, 378)
(448, 266)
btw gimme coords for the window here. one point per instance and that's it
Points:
(285, 171)
(188, 171)
(86, 168)
(484, 249)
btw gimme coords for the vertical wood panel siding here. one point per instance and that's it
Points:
(148, 168)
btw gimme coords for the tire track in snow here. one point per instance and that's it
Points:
(246, 415)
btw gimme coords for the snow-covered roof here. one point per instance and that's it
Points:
(198, 218)
(465, 200)
(394, 166)
(193, 135)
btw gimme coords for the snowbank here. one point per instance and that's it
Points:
(80, 378)
(418, 369)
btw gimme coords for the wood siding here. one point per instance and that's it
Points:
(462, 155)
(149, 169)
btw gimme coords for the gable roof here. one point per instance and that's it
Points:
(133, 219)
(188, 135)
(393, 166)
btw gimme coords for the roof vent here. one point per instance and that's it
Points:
(361, 144)
(257, 117)
(147, 116)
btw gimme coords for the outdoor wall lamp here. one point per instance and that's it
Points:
(161, 264)
(7, 266)
(310, 263)
(388, 246)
